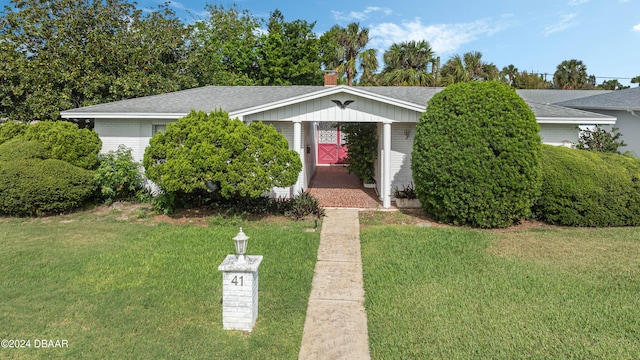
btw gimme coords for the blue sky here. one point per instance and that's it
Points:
(534, 36)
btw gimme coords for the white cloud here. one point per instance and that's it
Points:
(566, 21)
(636, 27)
(578, 2)
(444, 38)
(360, 15)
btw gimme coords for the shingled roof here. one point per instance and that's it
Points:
(239, 98)
(627, 99)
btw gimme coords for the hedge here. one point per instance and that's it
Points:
(38, 187)
(582, 188)
(476, 156)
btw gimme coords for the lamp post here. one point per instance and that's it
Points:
(241, 241)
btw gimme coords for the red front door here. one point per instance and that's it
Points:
(331, 145)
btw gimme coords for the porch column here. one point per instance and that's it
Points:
(297, 146)
(386, 165)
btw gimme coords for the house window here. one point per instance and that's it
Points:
(158, 128)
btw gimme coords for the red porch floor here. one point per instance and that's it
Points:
(334, 187)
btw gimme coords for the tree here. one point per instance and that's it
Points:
(525, 80)
(571, 75)
(407, 64)
(468, 67)
(509, 73)
(476, 156)
(636, 80)
(211, 152)
(600, 140)
(289, 53)
(344, 47)
(225, 49)
(59, 54)
(612, 85)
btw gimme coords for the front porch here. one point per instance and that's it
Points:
(334, 187)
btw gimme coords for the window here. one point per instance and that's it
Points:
(158, 128)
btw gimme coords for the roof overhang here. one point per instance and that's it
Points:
(577, 121)
(100, 115)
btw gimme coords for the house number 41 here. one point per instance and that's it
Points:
(238, 280)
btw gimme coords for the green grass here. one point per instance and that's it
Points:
(116, 289)
(444, 293)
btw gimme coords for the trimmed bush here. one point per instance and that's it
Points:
(38, 187)
(582, 188)
(21, 149)
(476, 156)
(65, 141)
(10, 130)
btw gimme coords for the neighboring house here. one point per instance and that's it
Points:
(305, 115)
(624, 105)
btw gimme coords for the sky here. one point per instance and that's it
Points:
(535, 36)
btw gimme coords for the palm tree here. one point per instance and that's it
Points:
(636, 80)
(509, 73)
(407, 64)
(468, 67)
(571, 75)
(344, 47)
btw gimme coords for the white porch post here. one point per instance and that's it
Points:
(297, 146)
(386, 165)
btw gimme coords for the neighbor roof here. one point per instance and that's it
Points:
(627, 99)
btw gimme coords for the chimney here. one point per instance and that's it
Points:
(330, 78)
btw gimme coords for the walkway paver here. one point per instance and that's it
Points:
(336, 322)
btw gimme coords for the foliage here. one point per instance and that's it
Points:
(289, 53)
(10, 130)
(344, 47)
(303, 205)
(636, 80)
(611, 85)
(407, 64)
(21, 149)
(476, 156)
(37, 187)
(362, 143)
(525, 80)
(581, 188)
(600, 140)
(468, 67)
(118, 176)
(63, 54)
(571, 75)
(65, 141)
(407, 192)
(211, 152)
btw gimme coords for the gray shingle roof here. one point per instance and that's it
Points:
(627, 99)
(234, 98)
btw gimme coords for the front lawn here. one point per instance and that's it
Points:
(122, 289)
(547, 293)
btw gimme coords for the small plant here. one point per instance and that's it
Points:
(304, 205)
(407, 192)
(600, 140)
(118, 175)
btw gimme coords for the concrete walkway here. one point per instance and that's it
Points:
(336, 323)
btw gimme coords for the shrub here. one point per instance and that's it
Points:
(407, 192)
(10, 130)
(118, 176)
(582, 188)
(37, 187)
(65, 141)
(212, 152)
(476, 156)
(362, 142)
(21, 149)
(303, 205)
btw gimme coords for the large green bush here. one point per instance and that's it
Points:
(21, 149)
(10, 130)
(36, 187)
(65, 141)
(582, 188)
(212, 152)
(476, 156)
(362, 142)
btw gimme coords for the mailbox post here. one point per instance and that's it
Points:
(240, 287)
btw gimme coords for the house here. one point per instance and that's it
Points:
(306, 115)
